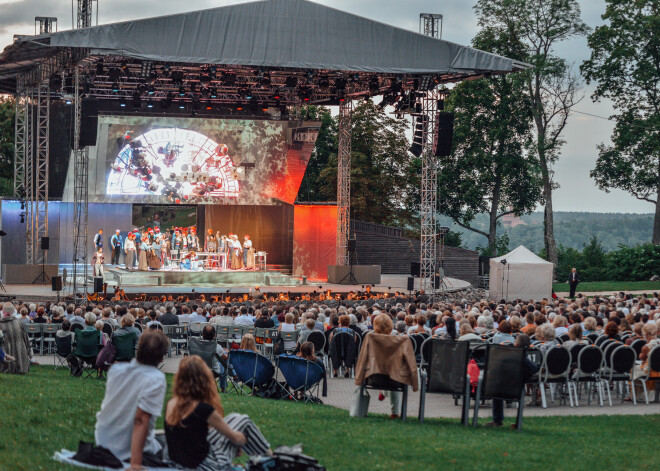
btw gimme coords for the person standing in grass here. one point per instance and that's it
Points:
(199, 436)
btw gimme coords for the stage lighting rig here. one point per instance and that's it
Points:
(55, 82)
(291, 82)
(205, 80)
(145, 69)
(114, 74)
(99, 68)
(177, 77)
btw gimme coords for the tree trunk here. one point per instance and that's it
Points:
(655, 240)
(548, 215)
(492, 217)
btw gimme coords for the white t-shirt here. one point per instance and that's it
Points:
(129, 386)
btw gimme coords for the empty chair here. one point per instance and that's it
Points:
(555, 370)
(618, 370)
(252, 370)
(63, 351)
(302, 376)
(503, 378)
(178, 336)
(587, 366)
(195, 329)
(48, 333)
(446, 372)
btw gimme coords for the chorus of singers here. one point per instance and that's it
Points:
(179, 247)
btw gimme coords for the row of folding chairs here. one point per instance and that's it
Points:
(42, 337)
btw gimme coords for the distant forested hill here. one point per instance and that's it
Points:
(571, 230)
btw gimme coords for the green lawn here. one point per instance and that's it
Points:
(609, 286)
(47, 410)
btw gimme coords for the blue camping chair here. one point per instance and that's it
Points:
(302, 376)
(251, 369)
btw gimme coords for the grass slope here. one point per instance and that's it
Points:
(609, 286)
(47, 410)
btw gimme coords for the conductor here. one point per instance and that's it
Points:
(573, 281)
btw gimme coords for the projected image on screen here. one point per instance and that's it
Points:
(179, 164)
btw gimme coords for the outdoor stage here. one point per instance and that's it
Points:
(178, 278)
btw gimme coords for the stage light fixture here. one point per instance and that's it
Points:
(99, 68)
(310, 77)
(150, 104)
(122, 103)
(114, 74)
(153, 76)
(213, 92)
(151, 90)
(324, 82)
(22, 218)
(182, 106)
(205, 80)
(141, 88)
(182, 91)
(55, 82)
(291, 82)
(193, 87)
(340, 84)
(374, 85)
(166, 71)
(177, 77)
(67, 101)
(145, 69)
(115, 87)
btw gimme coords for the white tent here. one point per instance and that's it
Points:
(520, 274)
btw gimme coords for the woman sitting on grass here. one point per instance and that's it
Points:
(198, 435)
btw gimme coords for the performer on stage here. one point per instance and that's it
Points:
(211, 245)
(137, 238)
(248, 253)
(153, 256)
(97, 262)
(144, 248)
(193, 240)
(236, 249)
(177, 240)
(129, 250)
(116, 242)
(98, 239)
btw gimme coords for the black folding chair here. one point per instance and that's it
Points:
(446, 373)
(589, 361)
(502, 378)
(620, 361)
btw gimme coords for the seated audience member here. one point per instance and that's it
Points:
(420, 326)
(503, 333)
(198, 435)
(449, 331)
(127, 326)
(153, 322)
(310, 325)
(529, 369)
(263, 321)
(545, 334)
(612, 331)
(589, 326)
(466, 332)
(560, 325)
(134, 396)
(400, 364)
(248, 343)
(98, 325)
(574, 337)
(307, 352)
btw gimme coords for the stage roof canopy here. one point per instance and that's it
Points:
(287, 34)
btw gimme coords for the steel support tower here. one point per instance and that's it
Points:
(344, 182)
(430, 24)
(85, 13)
(42, 154)
(429, 199)
(80, 199)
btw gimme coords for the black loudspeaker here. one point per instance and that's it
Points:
(89, 119)
(56, 283)
(98, 284)
(418, 135)
(437, 281)
(415, 268)
(445, 134)
(352, 243)
(411, 283)
(45, 243)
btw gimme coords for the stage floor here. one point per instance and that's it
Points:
(389, 283)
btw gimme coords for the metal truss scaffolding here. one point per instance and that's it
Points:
(20, 143)
(429, 192)
(80, 200)
(40, 221)
(29, 173)
(344, 182)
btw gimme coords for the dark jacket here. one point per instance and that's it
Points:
(169, 319)
(343, 349)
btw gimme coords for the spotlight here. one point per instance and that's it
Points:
(122, 103)
(213, 92)
(182, 91)
(182, 106)
(115, 87)
(67, 101)
(205, 80)
(150, 104)
(151, 90)
(22, 218)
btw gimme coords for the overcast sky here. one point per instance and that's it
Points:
(577, 191)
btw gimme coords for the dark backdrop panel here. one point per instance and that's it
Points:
(269, 227)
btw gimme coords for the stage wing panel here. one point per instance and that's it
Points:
(314, 234)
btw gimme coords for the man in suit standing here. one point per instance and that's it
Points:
(573, 281)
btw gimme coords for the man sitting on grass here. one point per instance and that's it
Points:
(134, 396)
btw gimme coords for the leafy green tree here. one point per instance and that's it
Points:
(625, 63)
(325, 148)
(7, 130)
(593, 260)
(491, 169)
(381, 182)
(552, 89)
(453, 239)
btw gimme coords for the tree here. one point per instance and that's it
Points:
(381, 183)
(552, 88)
(324, 149)
(625, 63)
(7, 130)
(490, 169)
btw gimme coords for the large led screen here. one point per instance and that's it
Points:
(163, 160)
